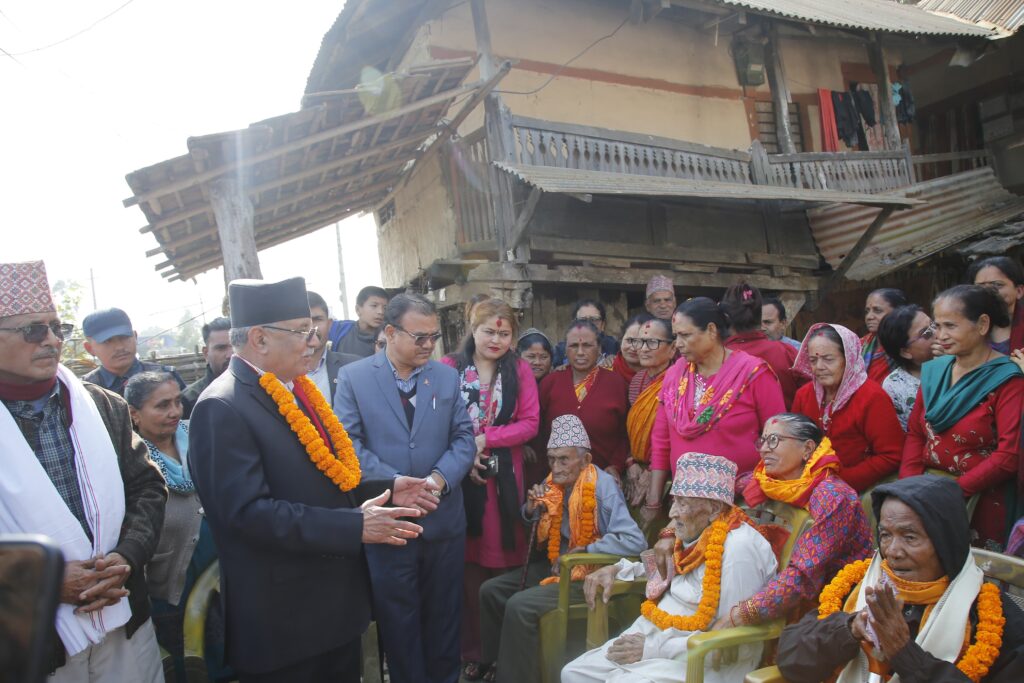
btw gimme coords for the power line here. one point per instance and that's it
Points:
(178, 326)
(73, 35)
(563, 67)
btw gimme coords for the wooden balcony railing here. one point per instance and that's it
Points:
(930, 166)
(546, 143)
(868, 172)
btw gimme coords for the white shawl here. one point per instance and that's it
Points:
(943, 634)
(29, 503)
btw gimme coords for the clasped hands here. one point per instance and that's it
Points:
(412, 497)
(884, 613)
(96, 583)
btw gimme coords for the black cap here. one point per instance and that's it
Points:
(110, 322)
(255, 302)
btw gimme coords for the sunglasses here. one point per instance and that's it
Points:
(928, 333)
(306, 334)
(37, 332)
(421, 340)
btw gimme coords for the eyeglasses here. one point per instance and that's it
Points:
(653, 344)
(307, 334)
(379, 344)
(37, 332)
(590, 319)
(421, 340)
(926, 334)
(772, 440)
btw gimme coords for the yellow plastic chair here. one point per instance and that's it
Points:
(202, 595)
(865, 499)
(554, 626)
(797, 520)
(1005, 571)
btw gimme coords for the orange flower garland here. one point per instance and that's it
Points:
(582, 521)
(585, 534)
(341, 467)
(988, 638)
(711, 588)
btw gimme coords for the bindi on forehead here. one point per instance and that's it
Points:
(499, 322)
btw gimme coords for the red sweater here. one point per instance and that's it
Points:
(865, 433)
(603, 413)
(779, 355)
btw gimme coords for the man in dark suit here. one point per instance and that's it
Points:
(289, 538)
(406, 416)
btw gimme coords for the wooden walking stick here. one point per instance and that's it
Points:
(529, 549)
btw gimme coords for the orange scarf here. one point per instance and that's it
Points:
(793, 491)
(688, 559)
(586, 384)
(640, 420)
(912, 593)
(582, 521)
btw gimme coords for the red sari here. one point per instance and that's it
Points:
(982, 449)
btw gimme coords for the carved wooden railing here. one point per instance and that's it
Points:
(469, 174)
(930, 166)
(867, 172)
(546, 143)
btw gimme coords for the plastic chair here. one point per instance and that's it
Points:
(197, 607)
(797, 520)
(554, 626)
(1003, 570)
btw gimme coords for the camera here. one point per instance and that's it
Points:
(492, 467)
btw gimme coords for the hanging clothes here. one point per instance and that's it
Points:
(829, 134)
(904, 102)
(867, 100)
(847, 119)
(865, 104)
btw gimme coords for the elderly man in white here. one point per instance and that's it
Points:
(719, 554)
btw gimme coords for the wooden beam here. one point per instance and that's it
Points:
(233, 212)
(780, 89)
(636, 277)
(523, 219)
(857, 250)
(886, 109)
(668, 253)
(299, 143)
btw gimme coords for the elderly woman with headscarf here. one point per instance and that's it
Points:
(853, 411)
(919, 611)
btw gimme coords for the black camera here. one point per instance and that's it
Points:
(492, 467)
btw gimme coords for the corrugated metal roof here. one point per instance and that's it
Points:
(575, 181)
(1007, 15)
(870, 15)
(956, 207)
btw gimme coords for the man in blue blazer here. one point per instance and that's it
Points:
(405, 415)
(289, 539)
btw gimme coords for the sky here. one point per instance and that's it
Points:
(127, 93)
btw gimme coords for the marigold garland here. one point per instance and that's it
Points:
(988, 637)
(587, 527)
(342, 466)
(711, 588)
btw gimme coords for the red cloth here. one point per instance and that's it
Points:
(603, 413)
(865, 433)
(779, 356)
(982, 449)
(32, 391)
(879, 368)
(829, 131)
(621, 367)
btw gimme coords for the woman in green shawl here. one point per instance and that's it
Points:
(967, 417)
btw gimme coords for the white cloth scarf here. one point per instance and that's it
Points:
(30, 504)
(943, 634)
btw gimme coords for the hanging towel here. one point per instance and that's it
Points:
(865, 105)
(829, 135)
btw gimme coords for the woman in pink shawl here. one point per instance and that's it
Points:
(852, 410)
(713, 400)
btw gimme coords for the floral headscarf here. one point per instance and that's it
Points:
(854, 375)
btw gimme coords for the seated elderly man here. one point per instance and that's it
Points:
(919, 611)
(566, 503)
(720, 558)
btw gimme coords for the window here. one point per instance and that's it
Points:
(766, 132)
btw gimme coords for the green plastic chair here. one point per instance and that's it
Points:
(797, 520)
(1005, 571)
(865, 499)
(554, 626)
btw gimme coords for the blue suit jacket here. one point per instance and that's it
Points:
(293, 575)
(441, 437)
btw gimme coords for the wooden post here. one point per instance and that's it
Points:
(886, 109)
(856, 251)
(780, 90)
(500, 144)
(760, 168)
(234, 215)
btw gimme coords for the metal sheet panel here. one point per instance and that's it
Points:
(956, 207)
(871, 15)
(1007, 15)
(576, 181)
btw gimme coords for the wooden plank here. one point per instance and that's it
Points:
(523, 219)
(856, 251)
(638, 277)
(779, 89)
(886, 108)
